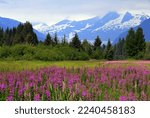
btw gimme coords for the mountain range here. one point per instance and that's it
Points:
(111, 26)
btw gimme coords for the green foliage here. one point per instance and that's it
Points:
(55, 40)
(5, 52)
(119, 50)
(1, 36)
(64, 41)
(130, 45)
(20, 35)
(48, 40)
(135, 43)
(75, 43)
(98, 54)
(109, 51)
(140, 41)
(41, 52)
(147, 52)
(97, 43)
(87, 47)
(21, 43)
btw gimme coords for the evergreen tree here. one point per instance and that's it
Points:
(55, 39)
(64, 40)
(48, 40)
(130, 44)
(140, 41)
(119, 49)
(97, 43)
(76, 43)
(135, 43)
(109, 51)
(35, 39)
(87, 47)
(103, 47)
(1, 37)
(7, 37)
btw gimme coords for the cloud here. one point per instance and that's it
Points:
(52, 11)
(3, 2)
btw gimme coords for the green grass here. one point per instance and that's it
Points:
(6, 66)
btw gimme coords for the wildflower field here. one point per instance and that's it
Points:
(74, 81)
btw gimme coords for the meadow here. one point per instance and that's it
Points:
(74, 80)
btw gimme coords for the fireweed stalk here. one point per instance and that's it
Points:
(100, 83)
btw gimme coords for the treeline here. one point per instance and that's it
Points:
(21, 43)
(23, 34)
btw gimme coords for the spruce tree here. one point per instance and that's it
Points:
(140, 41)
(97, 43)
(64, 40)
(1, 36)
(109, 51)
(119, 49)
(55, 39)
(75, 43)
(130, 44)
(87, 47)
(48, 40)
(135, 43)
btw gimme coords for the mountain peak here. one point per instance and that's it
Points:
(110, 16)
(65, 21)
(127, 16)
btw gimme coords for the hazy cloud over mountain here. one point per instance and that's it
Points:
(52, 11)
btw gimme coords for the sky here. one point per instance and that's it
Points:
(53, 11)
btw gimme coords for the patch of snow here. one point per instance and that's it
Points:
(117, 23)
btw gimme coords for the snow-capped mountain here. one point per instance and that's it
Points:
(145, 25)
(10, 23)
(107, 27)
(42, 27)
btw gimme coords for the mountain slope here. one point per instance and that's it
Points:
(10, 23)
(144, 25)
(109, 26)
(6, 22)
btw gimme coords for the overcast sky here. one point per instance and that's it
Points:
(52, 11)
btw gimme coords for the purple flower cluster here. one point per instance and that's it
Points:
(99, 83)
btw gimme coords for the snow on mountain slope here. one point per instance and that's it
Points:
(107, 27)
(41, 27)
(124, 22)
(145, 25)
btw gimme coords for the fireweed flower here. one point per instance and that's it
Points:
(37, 97)
(123, 98)
(10, 98)
(2, 86)
(131, 81)
(84, 93)
(47, 94)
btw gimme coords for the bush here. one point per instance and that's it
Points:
(5, 52)
(45, 53)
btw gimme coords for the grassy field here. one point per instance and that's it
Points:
(6, 66)
(31, 65)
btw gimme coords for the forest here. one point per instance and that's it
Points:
(21, 43)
